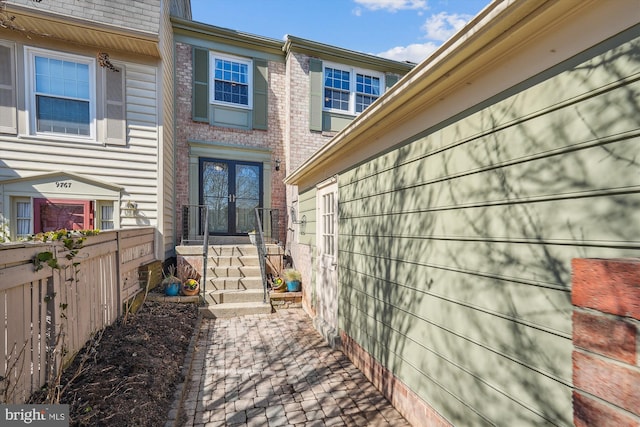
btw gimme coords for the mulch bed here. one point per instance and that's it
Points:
(130, 373)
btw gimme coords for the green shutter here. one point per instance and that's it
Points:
(8, 111)
(315, 98)
(260, 94)
(390, 80)
(115, 106)
(200, 110)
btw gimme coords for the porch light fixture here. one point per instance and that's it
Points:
(130, 208)
(302, 222)
(277, 164)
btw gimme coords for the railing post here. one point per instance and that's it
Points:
(261, 254)
(205, 251)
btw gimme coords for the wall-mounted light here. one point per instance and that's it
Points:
(130, 208)
(302, 222)
(277, 164)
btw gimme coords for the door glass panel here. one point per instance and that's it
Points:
(247, 196)
(215, 192)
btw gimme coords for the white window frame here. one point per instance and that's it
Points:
(30, 55)
(14, 213)
(212, 79)
(98, 219)
(353, 72)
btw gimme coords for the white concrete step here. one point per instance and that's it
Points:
(235, 271)
(227, 283)
(233, 251)
(236, 295)
(226, 310)
(233, 261)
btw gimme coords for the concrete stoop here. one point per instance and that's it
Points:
(235, 309)
(234, 283)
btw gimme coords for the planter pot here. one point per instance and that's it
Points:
(293, 286)
(252, 238)
(172, 289)
(187, 290)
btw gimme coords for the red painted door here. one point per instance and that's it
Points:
(55, 214)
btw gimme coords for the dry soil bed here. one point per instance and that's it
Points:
(129, 377)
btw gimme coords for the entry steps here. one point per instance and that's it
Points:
(234, 283)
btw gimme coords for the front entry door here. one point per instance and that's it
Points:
(54, 214)
(231, 190)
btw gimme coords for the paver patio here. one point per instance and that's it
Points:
(276, 370)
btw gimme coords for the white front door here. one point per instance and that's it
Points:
(327, 243)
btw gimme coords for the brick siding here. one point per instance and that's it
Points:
(187, 129)
(606, 371)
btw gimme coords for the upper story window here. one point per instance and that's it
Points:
(232, 79)
(350, 90)
(61, 94)
(367, 91)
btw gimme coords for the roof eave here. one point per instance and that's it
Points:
(484, 39)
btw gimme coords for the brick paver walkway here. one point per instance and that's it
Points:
(276, 370)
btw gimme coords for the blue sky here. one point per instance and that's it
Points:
(403, 30)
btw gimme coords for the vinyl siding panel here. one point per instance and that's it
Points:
(142, 15)
(455, 248)
(307, 207)
(134, 167)
(167, 172)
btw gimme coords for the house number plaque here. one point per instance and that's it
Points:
(63, 184)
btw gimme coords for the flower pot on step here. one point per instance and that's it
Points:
(293, 286)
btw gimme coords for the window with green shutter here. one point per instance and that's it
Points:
(315, 96)
(260, 94)
(200, 107)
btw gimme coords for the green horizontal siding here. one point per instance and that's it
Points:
(307, 207)
(455, 249)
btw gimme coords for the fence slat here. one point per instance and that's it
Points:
(93, 301)
(17, 275)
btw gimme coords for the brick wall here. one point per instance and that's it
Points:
(187, 129)
(303, 141)
(606, 339)
(410, 405)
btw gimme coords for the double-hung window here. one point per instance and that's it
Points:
(350, 90)
(232, 79)
(23, 215)
(105, 212)
(61, 94)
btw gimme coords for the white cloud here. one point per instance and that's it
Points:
(443, 25)
(393, 5)
(416, 52)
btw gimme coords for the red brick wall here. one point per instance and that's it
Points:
(606, 339)
(413, 408)
(187, 129)
(303, 143)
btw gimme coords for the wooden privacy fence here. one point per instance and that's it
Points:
(70, 303)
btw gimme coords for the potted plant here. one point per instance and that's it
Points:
(293, 278)
(190, 287)
(190, 279)
(171, 282)
(252, 236)
(279, 285)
